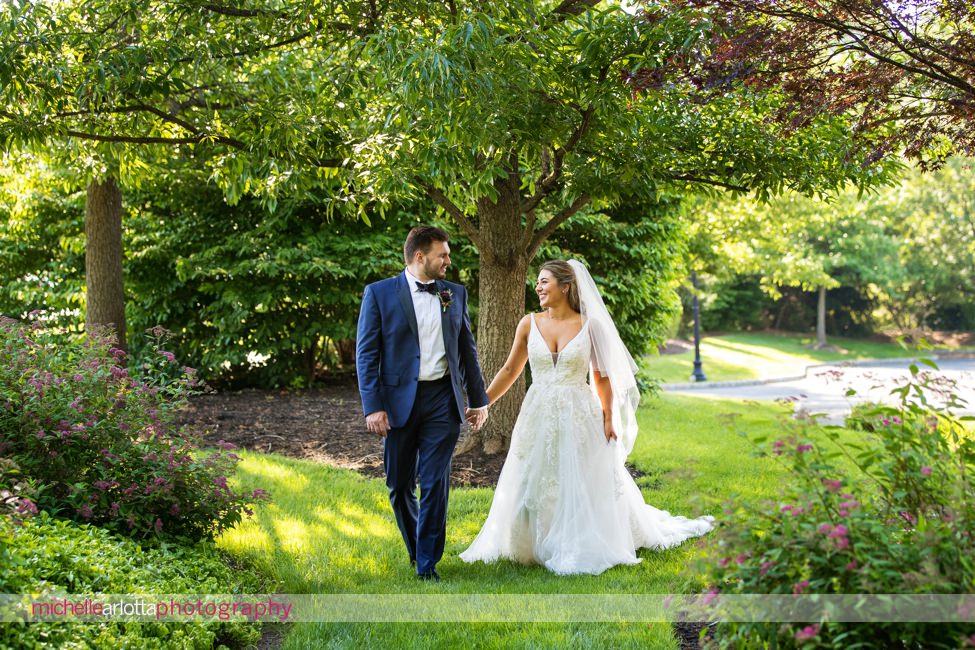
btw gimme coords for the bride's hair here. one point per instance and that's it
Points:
(565, 276)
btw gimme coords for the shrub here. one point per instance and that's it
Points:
(49, 555)
(99, 438)
(893, 512)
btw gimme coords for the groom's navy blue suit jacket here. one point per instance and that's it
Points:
(388, 350)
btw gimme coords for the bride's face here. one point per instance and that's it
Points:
(549, 292)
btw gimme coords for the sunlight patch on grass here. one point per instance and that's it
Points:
(741, 356)
(330, 530)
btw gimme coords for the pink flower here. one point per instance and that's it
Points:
(970, 641)
(741, 559)
(158, 525)
(832, 486)
(842, 543)
(168, 356)
(785, 508)
(852, 565)
(807, 633)
(777, 447)
(839, 531)
(723, 562)
(908, 517)
(85, 512)
(710, 596)
(765, 568)
(800, 586)
(925, 471)
(804, 448)
(825, 528)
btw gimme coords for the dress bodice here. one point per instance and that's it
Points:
(568, 366)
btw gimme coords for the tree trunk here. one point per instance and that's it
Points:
(782, 309)
(103, 259)
(346, 351)
(821, 318)
(503, 269)
(311, 359)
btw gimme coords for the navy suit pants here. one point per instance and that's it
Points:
(422, 449)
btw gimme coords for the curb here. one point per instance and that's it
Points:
(905, 361)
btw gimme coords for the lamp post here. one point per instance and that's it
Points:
(698, 374)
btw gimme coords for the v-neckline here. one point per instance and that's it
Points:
(556, 355)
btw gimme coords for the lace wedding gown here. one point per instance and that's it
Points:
(564, 498)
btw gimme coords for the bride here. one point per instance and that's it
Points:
(564, 498)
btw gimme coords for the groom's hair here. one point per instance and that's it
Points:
(420, 239)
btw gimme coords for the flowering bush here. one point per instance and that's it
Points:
(892, 512)
(100, 442)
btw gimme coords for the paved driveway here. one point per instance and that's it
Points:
(823, 389)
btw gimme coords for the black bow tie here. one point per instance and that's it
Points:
(430, 287)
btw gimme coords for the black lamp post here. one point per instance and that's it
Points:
(698, 374)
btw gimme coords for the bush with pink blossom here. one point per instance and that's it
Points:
(98, 440)
(889, 512)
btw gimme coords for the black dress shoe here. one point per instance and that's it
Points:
(432, 575)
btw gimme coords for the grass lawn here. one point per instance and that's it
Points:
(330, 530)
(764, 355)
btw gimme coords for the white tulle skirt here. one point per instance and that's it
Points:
(564, 498)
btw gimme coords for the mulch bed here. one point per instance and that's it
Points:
(323, 424)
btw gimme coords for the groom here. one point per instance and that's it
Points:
(415, 359)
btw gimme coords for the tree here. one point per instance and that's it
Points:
(796, 241)
(933, 218)
(513, 117)
(122, 86)
(904, 68)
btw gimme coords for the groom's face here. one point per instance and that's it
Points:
(436, 260)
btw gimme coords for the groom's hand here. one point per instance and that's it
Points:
(378, 423)
(477, 417)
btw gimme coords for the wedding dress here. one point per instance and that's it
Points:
(564, 498)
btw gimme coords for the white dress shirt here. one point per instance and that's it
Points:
(433, 352)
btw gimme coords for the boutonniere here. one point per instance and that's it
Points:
(446, 295)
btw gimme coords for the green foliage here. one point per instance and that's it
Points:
(462, 100)
(254, 297)
(901, 257)
(101, 445)
(933, 215)
(736, 304)
(891, 513)
(50, 556)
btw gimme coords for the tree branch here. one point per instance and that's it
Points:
(689, 178)
(539, 238)
(550, 182)
(240, 13)
(456, 213)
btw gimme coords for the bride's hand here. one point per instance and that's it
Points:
(608, 430)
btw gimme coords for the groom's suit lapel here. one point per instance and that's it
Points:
(406, 300)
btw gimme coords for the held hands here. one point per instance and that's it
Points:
(378, 423)
(608, 430)
(477, 417)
